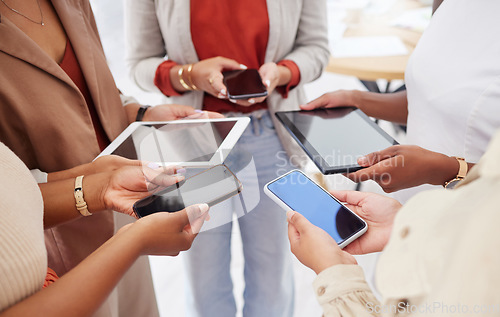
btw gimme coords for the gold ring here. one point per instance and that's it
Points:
(211, 81)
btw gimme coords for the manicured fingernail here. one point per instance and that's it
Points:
(221, 96)
(268, 82)
(153, 165)
(289, 215)
(179, 177)
(243, 66)
(223, 91)
(252, 101)
(181, 170)
(362, 160)
(203, 208)
(199, 111)
(232, 100)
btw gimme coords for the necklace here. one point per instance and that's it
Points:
(16, 11)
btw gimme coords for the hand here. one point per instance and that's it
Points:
(270, 75)
(404, 166)
(378, 211)
(312, 246)
(170, 112)
(207, 75)
(339, 98)
(168, 233)
(129, 184)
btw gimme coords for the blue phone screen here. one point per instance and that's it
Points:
(304, 196)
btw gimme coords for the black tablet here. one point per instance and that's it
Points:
(335, 138)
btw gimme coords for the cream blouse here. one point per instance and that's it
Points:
(442, 257)
(23, 257)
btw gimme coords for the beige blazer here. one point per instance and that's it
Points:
(45, 121)
(297, 32)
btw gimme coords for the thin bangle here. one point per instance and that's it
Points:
(181, 80)
(141, 112)
(190, 79)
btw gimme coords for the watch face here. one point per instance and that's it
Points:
(453, 183)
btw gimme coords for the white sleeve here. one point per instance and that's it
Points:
(39, 176)
(144, 42)
(311, 52)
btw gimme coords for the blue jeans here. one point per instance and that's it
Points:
(268, 271)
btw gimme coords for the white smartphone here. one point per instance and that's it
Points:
(295, 191)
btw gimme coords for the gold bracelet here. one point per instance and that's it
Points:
(181, 80)
(81, 204)
(190, 79)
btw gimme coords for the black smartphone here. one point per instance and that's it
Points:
(211, 187)
(244, 84)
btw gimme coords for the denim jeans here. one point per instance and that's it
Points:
(268, 271)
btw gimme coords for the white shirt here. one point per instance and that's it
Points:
(453, 82)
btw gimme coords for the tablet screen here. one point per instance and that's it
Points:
(335, 138)
(179, 142)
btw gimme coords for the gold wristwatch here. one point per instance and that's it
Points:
(462, 172)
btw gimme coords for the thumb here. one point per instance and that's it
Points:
(197, 214)
(227, 63)
(375, 157)
(298, 221)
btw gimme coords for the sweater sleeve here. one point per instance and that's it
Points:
(342, 290)
(294, 81)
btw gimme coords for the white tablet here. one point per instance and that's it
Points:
(191, 143)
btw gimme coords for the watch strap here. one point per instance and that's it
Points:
(141, 112)
(81, 204)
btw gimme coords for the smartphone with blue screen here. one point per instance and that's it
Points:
(295, 191)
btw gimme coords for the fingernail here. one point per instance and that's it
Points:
(181, 170)
(223, 91)
(153, 165)
(243, 66)
(289, 215)
(179, 177)
(203, 208)
(232, 100)
(221, 96)
(362, 160)
(199, 111)
(252, 101)
(268, 82)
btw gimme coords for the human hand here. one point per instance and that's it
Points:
(123, 187)
(270, 75)
(168, 233)
(334, 99)
(170, 112)
(312, 246)
(404, 166)
(378, 211)
(207, 75)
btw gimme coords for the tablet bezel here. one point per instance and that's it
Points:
(217, 158)
(323, 166)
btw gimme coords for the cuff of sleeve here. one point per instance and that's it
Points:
(294, 81)
(338, 281)
(126, 100)
(162, 79)
(39, 176)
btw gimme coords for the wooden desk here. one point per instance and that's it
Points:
(373, 68)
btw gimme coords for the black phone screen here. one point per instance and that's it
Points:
(210, 186)
(320, 208)
(244, 84)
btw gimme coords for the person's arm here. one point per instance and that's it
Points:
(106, 163)
(391, 107)
(116, 190)
(81, 291)
(404, 166)
(341, 288)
